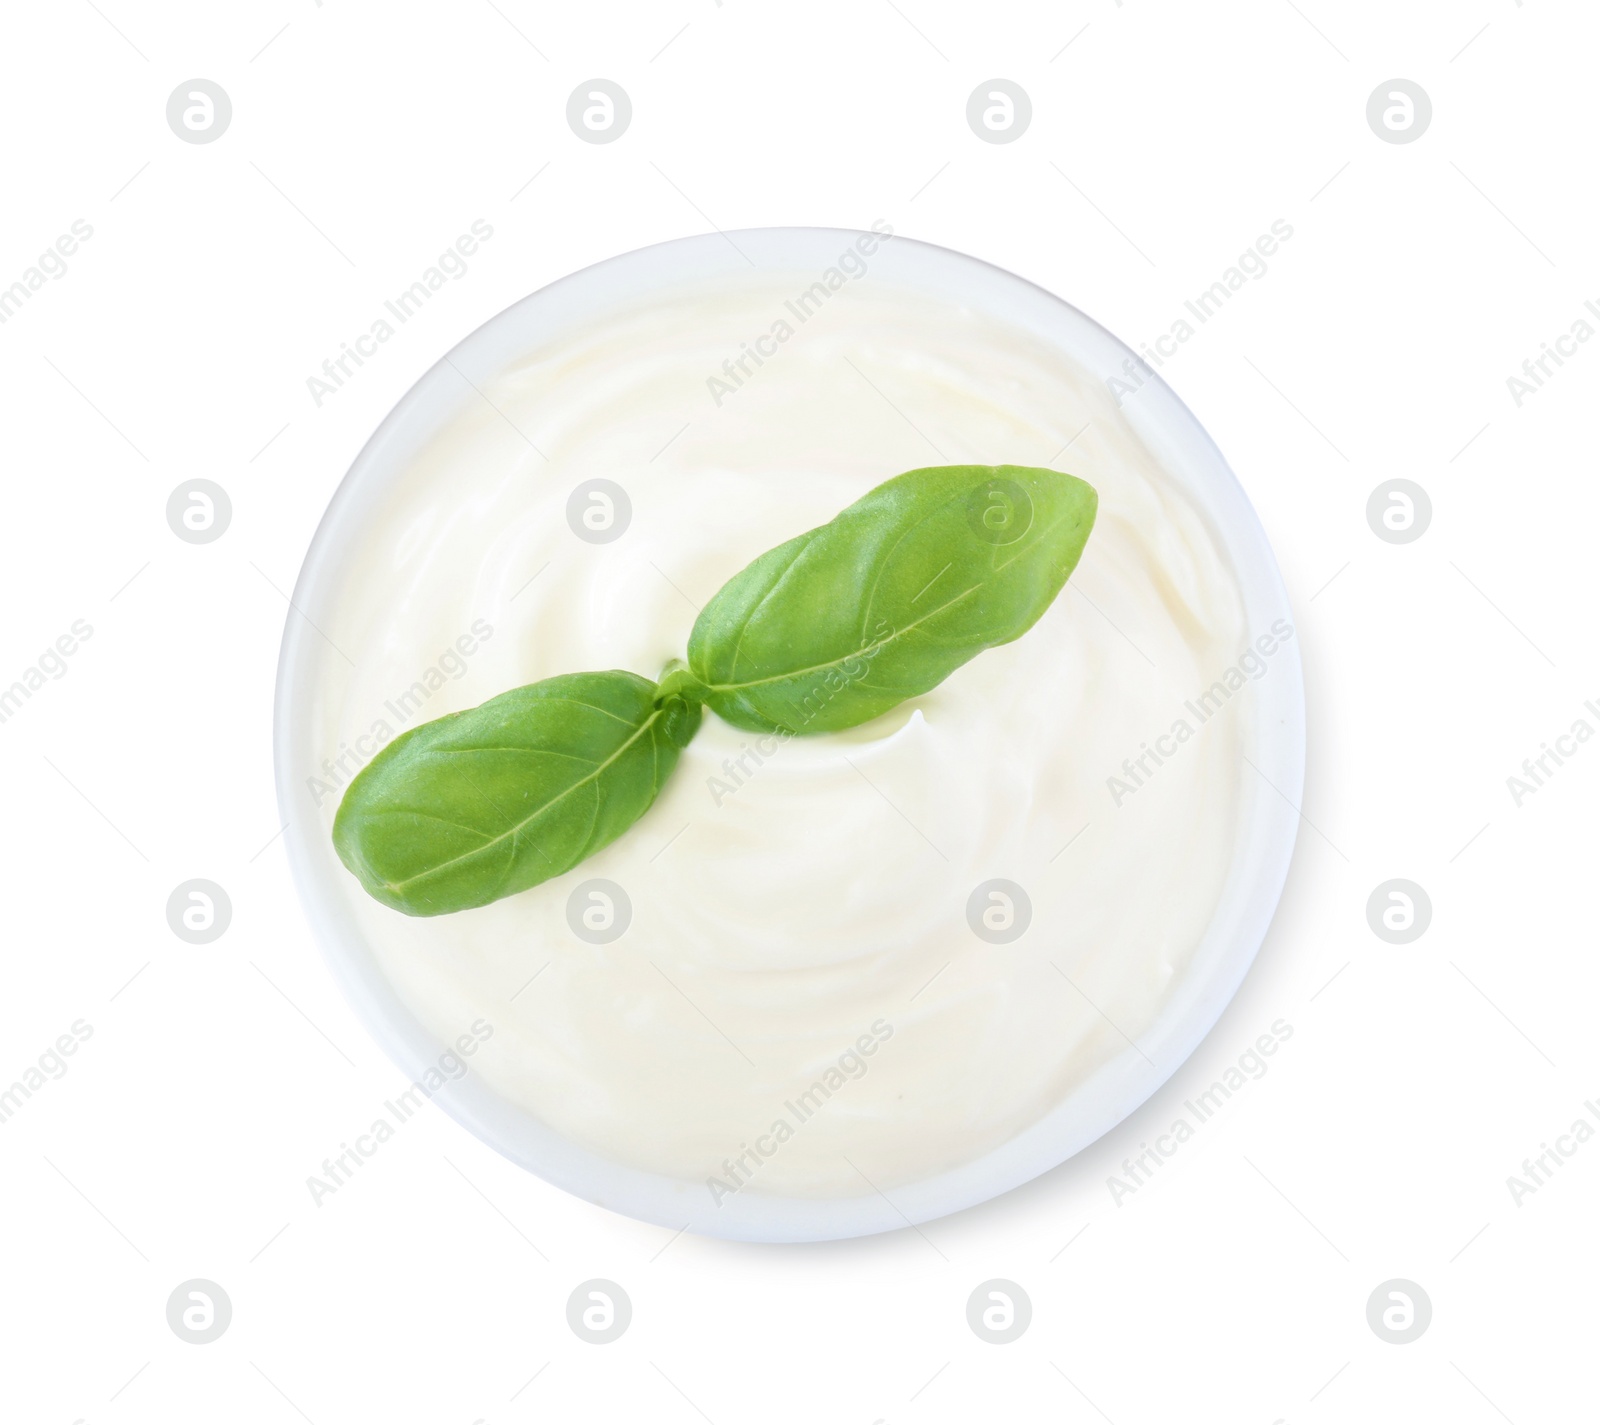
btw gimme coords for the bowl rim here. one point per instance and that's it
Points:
(1268, 816)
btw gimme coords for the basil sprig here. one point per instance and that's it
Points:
(827, 631)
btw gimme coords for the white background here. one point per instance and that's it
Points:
(1166, 138)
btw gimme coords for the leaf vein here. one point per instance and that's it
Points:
(532, 816)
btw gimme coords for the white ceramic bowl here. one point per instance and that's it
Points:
(1266, 825)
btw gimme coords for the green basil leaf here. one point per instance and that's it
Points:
(888, 598)
(484, 803)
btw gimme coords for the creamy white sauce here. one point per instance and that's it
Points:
(774, 927)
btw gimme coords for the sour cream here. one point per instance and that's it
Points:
(819, 992)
